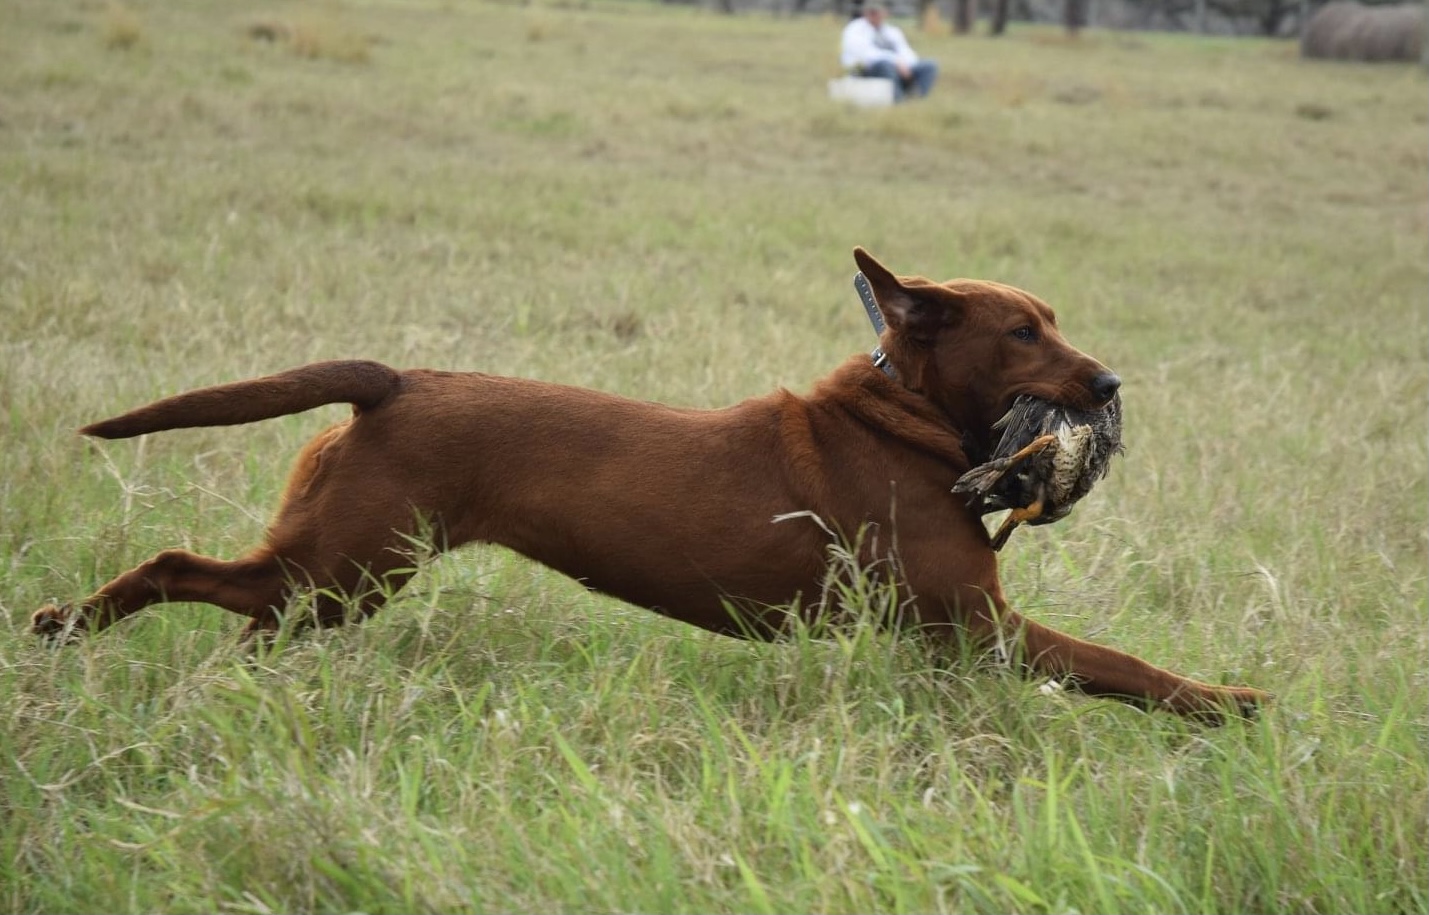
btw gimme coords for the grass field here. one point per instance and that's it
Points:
(661, 202)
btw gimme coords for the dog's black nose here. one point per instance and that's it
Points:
(1105, 385)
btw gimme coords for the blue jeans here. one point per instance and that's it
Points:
(925, 73)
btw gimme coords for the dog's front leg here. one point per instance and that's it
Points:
(1101, 671)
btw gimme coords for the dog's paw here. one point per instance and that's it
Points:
(260, 635)
(1248, 703)
(57, 623)
(1226, 702)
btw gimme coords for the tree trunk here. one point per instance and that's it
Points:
(998, 25)
(1074, 16)
(1275, 13)
(962, 16)
(1424, 54)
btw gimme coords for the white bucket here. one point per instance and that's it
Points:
(865, 92)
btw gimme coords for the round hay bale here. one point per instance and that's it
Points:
(1346, 30)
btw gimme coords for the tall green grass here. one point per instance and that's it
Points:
(661, 202)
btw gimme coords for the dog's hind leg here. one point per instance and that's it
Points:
(255, 586)
(359, 600)
(332, 607)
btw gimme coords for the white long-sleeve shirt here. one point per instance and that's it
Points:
(863, 45)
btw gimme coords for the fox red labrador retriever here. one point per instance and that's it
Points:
(672, 509)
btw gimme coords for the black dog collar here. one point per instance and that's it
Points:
(870, 305)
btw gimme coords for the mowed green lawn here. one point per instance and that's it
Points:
(662, 202)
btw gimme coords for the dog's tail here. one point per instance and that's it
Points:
(360, 383)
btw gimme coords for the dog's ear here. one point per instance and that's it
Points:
(914, 307)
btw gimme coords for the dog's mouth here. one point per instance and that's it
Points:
(1074, 398)
(1030, 415)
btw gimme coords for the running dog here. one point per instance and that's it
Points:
(719, 518)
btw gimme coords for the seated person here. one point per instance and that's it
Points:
(872, 46)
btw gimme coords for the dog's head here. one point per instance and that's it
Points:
(972, 347)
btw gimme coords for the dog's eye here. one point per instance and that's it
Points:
(1025, 333)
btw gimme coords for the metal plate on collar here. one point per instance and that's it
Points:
(870, 305)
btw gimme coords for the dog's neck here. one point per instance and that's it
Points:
(896, 412)
(970, 446)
